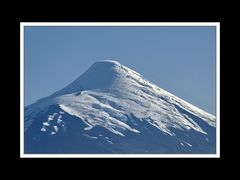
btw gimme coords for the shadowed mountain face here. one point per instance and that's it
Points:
(113, 109)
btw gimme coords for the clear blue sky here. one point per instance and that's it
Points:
(180, 60)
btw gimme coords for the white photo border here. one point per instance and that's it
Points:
(186, 24)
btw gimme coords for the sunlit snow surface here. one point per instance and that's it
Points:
(107, 96)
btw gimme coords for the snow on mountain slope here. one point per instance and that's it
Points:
(117, 111)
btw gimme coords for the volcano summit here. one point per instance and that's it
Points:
(113, 109)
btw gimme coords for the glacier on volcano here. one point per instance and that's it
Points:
(113, 109)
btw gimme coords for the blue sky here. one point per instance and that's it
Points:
(180, 60)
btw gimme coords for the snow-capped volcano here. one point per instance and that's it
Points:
(113, 109)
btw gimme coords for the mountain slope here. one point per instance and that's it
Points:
(113, 109)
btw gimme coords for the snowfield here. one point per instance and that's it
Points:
(113, 109)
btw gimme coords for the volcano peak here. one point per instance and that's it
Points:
(104, 74)
(112, 109)
(108, 62)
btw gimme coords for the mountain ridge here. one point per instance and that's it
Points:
(113, 97)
